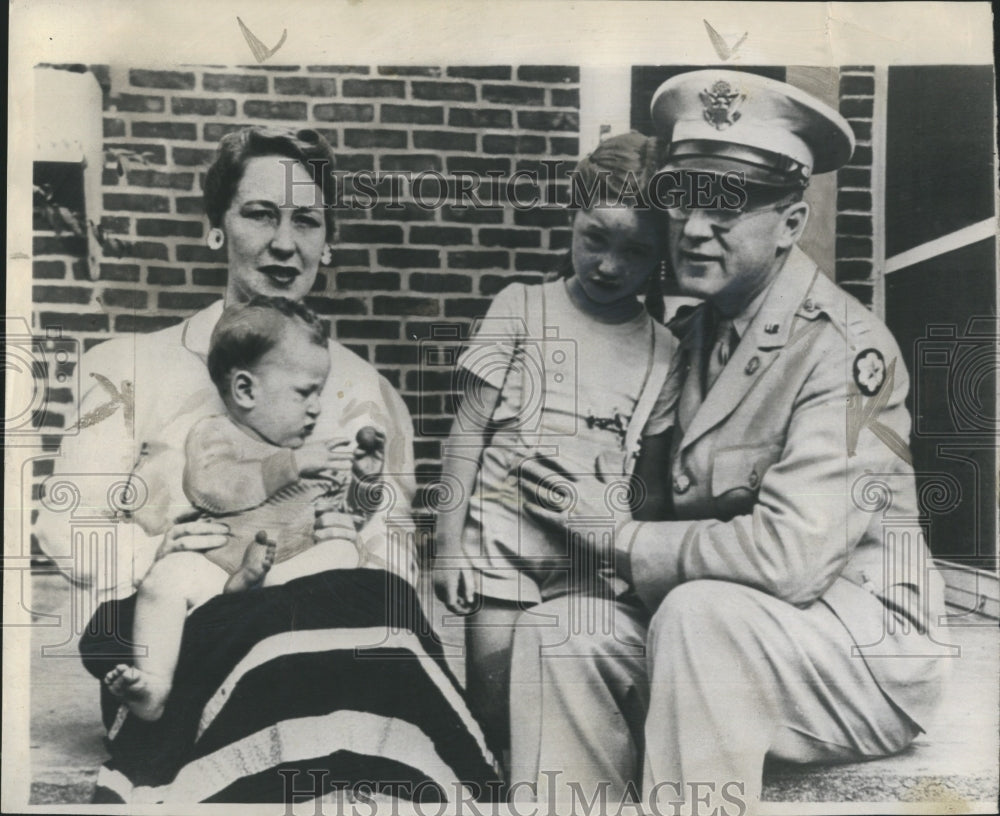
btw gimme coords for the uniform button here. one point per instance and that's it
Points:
(681, 483)
(754, 479)
(809, 305)
(753, 365)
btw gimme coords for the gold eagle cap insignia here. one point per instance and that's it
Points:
(722, 103)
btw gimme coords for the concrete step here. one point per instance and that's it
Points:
(954, 762)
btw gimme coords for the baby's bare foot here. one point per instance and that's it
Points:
(143, 693)
(257, 561)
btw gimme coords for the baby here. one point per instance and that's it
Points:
(255, 468)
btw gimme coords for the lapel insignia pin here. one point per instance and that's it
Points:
(771, 328)
(753, 365)
(721, 103)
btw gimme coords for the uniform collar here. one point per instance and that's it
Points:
(772, 323)
(768, 316)
(767, 332)
(742, 321)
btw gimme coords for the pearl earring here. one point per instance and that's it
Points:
(216, 238)
(327, 257)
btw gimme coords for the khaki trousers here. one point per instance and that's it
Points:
(682, 709)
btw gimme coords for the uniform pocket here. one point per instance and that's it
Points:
(742, 468)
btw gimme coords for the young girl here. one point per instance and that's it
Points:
(567, 370)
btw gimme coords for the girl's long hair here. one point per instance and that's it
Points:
(619, 168)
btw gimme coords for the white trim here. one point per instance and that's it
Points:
(321, 640)
(939, 246)
(290, 741)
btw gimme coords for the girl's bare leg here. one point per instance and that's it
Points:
(489, 633)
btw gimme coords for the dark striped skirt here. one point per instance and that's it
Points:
(330, 683)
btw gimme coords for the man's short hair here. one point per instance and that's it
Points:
(248, 331)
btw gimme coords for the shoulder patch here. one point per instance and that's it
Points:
(869, 371)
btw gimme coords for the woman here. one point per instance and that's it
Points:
(272, 680)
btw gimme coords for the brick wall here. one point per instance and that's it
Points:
(854, 186)
(395, 273)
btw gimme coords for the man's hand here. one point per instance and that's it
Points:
(548, 491)
(555, 498)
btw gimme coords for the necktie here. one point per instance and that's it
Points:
(722, 348)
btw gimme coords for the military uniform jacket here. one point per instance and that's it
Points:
(793, 476)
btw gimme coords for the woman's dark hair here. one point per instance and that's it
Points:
(248, 331)
(304, 145)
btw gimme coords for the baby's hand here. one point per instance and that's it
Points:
(365, 492)
(331, 458)
(369, 456)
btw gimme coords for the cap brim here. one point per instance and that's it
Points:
(719, 165)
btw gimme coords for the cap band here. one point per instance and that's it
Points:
(759, 166)
(771, 137)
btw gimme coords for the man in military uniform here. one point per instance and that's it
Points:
(788, 607)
